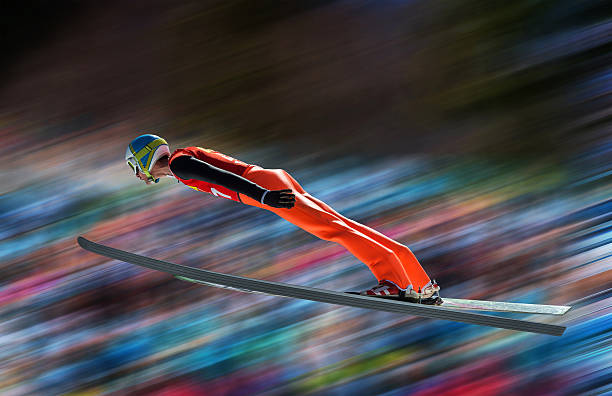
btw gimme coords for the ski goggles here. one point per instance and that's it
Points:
(136, 168)
(133, 164)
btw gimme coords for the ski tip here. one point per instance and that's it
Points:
(82, 241)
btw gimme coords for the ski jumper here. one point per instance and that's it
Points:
(387, 259)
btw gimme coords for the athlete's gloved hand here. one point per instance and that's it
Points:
(278, 198)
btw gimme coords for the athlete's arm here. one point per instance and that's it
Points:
(188, 167)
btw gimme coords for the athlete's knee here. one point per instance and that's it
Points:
(383, 256)
(404, 252)
(388, 254)
(331, 234)
(333, 229)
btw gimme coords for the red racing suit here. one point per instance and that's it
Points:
(387, 259)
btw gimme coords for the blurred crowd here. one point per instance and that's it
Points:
(477, 136)
(75, 321)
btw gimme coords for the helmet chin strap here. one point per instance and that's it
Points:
(149, 176)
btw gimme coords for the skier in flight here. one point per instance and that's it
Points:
(397, 270)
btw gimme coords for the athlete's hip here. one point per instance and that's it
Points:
(270, 179)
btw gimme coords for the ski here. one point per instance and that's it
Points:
(320, 295)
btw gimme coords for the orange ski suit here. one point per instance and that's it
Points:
(386, 258)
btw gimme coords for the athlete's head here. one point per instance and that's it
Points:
(142, 154)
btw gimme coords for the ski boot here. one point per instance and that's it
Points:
(428, 295)
(384, 289)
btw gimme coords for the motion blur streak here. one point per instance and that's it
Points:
(478, 136)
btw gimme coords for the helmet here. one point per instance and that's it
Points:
(144, 151)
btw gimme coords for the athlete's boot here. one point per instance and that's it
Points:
(429, 294)
(384, 289)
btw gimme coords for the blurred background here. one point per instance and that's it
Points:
(476, 132)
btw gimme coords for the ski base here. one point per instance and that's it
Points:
(320, 295)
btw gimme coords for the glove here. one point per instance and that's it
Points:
(278, 198)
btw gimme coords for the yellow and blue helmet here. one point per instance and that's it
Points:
(144, 151)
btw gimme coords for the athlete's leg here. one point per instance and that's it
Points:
(308, 215)
(411, 264)
(383, 262)
(413, 268)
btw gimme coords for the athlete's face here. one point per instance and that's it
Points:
(158, 171)
(143, 177)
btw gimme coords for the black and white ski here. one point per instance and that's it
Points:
(320, 295)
